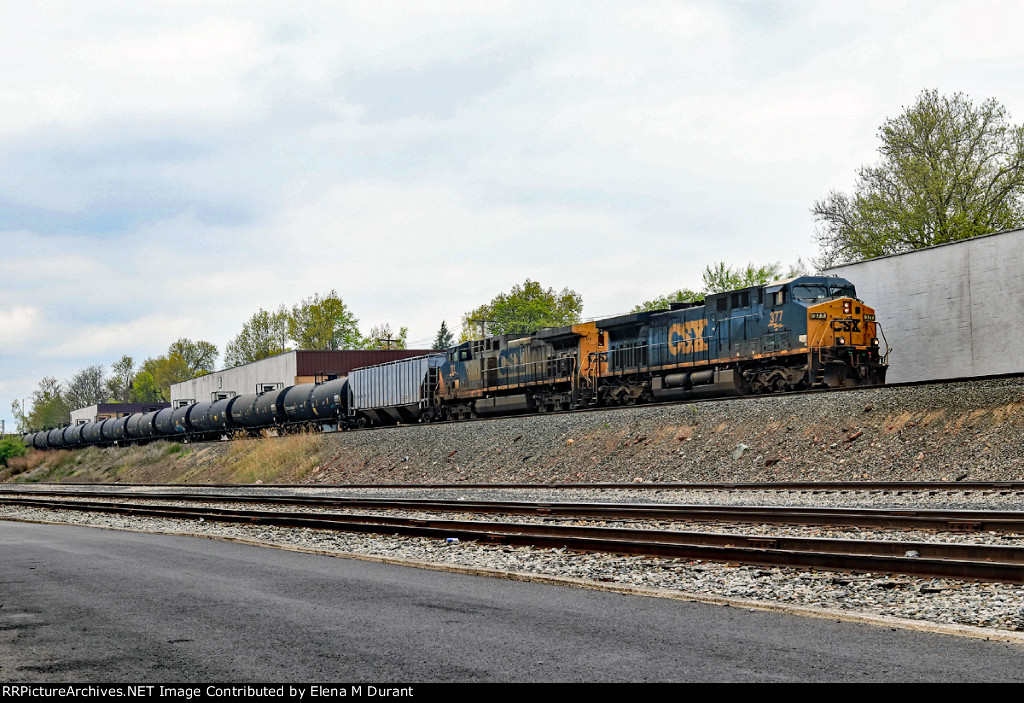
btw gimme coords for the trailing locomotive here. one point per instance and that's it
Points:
(807, 332)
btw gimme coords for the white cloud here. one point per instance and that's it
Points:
(172, 167)
(20, 329)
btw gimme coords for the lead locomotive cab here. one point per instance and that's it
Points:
(822, 317)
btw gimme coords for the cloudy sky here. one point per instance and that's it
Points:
(168, 168)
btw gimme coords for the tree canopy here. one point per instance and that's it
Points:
(949, 170)
(49, 407)
(184, 360)
(119, 385)
(200, 357)
(87, 387)
(264, 335)
(324, 323)
(382, 337)
(719, 278)
(525, 308)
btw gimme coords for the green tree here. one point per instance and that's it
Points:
(381, 337)
(324, 323)
(49, 407)
(200, 357)
(721, 278)
(948, 170)
(264, 335)
(525, 308)
(444, 338)
(166, 371)
(145, 388)
(119, 385)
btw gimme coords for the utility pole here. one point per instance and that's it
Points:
(483, 325)
(385, 340)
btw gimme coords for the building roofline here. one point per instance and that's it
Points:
(933, 246)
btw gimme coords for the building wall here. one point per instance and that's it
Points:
(238, 380)
(951, 310)
(105, 411)
(288, 369)
(83, 415)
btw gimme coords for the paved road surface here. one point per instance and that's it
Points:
(89, 605)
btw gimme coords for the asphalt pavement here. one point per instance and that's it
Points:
(91, 605)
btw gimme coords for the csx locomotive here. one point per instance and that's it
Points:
(807, 332)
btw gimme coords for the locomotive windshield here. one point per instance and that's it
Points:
(822, 291)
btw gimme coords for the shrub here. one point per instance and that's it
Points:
(11, 447)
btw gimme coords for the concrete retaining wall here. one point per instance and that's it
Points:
(951, 310)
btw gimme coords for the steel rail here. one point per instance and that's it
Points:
(886, 518)
(1002, 487)
(963, 561)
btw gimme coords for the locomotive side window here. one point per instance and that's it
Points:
(780, 297)
(741, 300)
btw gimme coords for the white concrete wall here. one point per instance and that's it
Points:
(951, 310)
(239, 380)
(84, 415)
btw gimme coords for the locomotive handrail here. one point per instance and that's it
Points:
(697, 356)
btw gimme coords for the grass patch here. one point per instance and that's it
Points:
(285, 459)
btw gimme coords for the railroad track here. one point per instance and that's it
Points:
(1001, 521)
(897, 487)
(931, 559)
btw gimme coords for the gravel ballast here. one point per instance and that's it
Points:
(938, 432)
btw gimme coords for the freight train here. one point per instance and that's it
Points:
(806, 332)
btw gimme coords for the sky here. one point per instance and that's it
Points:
(169, 168)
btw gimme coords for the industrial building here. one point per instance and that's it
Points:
(950, 310)
(105, 411)
(287, 369)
